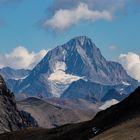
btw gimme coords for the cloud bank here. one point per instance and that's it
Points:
(131, 62)
(66, 13)
(63, 19)
(20, 58)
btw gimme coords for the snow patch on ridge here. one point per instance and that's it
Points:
(59, 80)
(61, 76)
(108, 103)
(20, 78)
(125, 83)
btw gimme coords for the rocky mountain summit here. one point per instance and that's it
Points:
(78, 60)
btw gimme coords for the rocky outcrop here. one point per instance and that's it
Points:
(10, 118)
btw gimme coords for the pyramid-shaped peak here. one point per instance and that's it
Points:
(81, 39)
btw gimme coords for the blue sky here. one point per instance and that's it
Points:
(113, 25)
(21, 25)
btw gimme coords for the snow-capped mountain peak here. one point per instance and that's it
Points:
(77, 59)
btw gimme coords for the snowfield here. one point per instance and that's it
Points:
(59, 80)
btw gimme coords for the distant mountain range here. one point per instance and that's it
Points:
(76, 69)
(15, 74)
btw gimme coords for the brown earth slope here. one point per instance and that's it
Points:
(51, 114)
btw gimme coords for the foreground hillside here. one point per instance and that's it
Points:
(116, 121)
(129, 130)
(67, 132)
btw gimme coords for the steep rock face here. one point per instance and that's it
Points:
(77, 59)
(10, 118)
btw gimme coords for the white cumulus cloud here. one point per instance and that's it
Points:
(65, 18)
(20, 57)
(131, 62)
